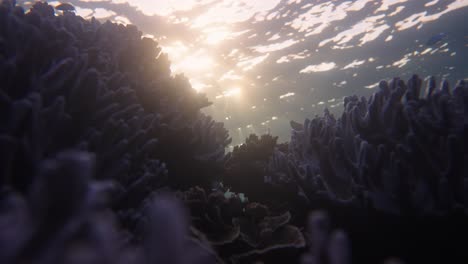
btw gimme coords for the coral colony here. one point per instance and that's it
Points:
(106, 158)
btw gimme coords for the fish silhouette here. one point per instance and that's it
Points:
(436, 39)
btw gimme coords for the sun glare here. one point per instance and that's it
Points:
(233, 92)
(216, 35)
(194, 64)
(198, 85)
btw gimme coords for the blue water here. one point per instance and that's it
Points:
(304, 56)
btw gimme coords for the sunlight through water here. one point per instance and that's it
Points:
(291, 59)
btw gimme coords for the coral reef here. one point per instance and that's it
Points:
(105, 157)
(245, 168)
(76, 86)
(64, 218)
(242, 231)
(397, 152)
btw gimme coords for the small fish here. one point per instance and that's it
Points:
(436, 39)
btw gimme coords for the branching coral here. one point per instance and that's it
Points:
(93, 127)
(64, 219)
(245, 166)
(397, 152)
(87, 86)
(326, 246)
(395, 160)
(91, 86)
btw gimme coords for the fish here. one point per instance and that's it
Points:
(436, 39)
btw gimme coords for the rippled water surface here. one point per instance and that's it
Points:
(263, 63)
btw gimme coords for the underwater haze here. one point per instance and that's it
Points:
(264, 63)
(116, 117)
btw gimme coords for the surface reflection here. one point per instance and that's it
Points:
(291, 59)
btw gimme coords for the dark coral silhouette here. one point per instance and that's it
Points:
(102, 149)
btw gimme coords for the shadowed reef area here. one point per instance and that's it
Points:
(105, 157)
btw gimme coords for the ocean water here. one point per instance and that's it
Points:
(264, 63)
